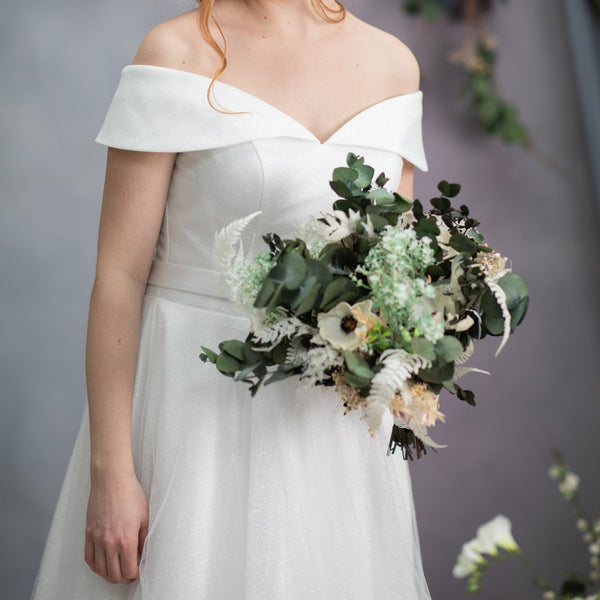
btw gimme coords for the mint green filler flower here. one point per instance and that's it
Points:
(395, 269)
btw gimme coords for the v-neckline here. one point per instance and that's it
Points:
(279, 111)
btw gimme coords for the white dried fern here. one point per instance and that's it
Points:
(334, 226)
(289, 326)
(398, 367)
(226, 241)
(460, 371)
(466, 353)
(501, 299)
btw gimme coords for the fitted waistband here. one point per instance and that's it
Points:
(188, 279)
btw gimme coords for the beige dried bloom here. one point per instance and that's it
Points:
(491, 263)
(417, 404)
(350, 396)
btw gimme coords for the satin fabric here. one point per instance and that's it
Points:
(276, 497)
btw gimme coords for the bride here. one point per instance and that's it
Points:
(181, 486)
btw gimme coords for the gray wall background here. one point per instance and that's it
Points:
(59, 65)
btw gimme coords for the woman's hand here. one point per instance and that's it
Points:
(117, 525)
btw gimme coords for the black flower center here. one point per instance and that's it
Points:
(348, 324)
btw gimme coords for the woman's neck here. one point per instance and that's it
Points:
(287, 17)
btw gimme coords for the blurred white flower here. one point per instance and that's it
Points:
(549, 595)
(568, 485)
(555, 471)
(496, 534)
(468, 560)
(594, 548)
(582, 525)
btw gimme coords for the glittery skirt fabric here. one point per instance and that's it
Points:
(276, 497)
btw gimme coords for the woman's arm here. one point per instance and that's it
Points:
(406, 187)
(134, 198)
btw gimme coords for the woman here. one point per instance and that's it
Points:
(193, 489)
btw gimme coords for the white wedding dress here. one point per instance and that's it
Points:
(276, 497)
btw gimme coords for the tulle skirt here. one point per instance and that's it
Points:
(276, 497)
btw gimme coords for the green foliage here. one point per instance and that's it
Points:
(355, 185)
(422, 278)
(517, 301)
(496, 116)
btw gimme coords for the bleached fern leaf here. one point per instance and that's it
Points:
(398, 367)
(501, 299)
(460, 371)
(466, 353)
(296, 352)
(288, 326)
(336, 226)
(228, 238)
(320, 358)
(419, 430)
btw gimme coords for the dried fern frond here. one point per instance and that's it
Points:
(227, 239)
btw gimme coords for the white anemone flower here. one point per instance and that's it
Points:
(496, 534)
(340, 327)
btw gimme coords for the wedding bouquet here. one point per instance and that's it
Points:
(378, 298)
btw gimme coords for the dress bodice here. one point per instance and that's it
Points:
(260, 159)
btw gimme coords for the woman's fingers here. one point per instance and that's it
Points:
(129, 562)
(89, 553)
(142, 536)
(117, 525)
(113, 565)
(100, 561)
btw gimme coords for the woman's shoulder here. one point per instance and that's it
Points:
(175, 44)
(388, 56)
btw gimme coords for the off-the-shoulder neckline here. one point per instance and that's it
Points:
(206, 80)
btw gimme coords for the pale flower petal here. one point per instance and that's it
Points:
(496, 534)
(468, 560)
(330, 328)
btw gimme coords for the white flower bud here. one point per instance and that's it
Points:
(554, 471)
(582, 525)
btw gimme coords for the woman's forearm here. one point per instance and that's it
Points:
(111, 357)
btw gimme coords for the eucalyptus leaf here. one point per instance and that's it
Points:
(448, 348)
(381, 180)
(441, 203)
(358, 365)
(294, 270)
(227, 364)
(265, 293)
(333, 290)
(381, 196)
(356, 381)
(461, 243)
(279, 375)
(309, 300)
(341, 188)
(427, 226)
(235, 348)
(424, 348)
(208, 354)
(345, 175)
(438, 373)
(365, 175)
